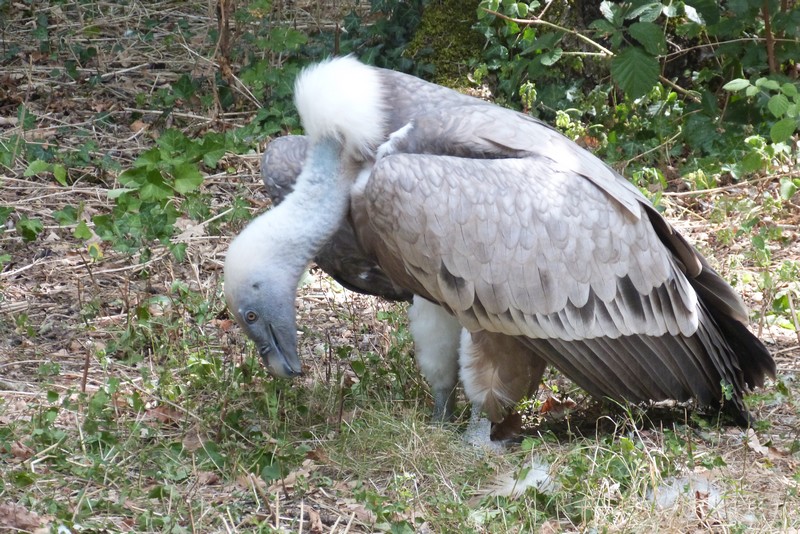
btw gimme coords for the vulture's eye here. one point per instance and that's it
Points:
(250, 316)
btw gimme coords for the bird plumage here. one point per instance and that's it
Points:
(522, 234)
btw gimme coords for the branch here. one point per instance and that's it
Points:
(773, 65)
(539, 22)
(678, 89)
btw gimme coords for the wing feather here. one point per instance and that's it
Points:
(516, 230)
(621, 329)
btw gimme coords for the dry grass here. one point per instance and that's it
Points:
(168, 423)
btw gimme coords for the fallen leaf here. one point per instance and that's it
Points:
(752, 441)
(16, 517)
(249, 480)
(359, 511)
(315, 520)
(290, 480)
(164, 414)
(138, 126)
(207, 478)
(556, 408)
(193, 440)
(21, 451)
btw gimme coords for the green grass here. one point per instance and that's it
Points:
(194, 437)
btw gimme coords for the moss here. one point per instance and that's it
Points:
(446, 40)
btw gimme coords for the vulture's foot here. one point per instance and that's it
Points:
(444, 403)
(479, 434)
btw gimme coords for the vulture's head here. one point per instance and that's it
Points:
(260, 293)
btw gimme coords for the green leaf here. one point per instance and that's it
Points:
(610, 11)
(603, 27)
(650, 36)
(36, 168)
(149, 159)
(709, 10)
(782, 130)
(116, 193)
(635, 71)
(752, 90)
(736, 85)
(155, 188)
(29, 228)
(60, 174)
(66, 215)
(646, 12)
(765, 83)
(789, 188)
(778, 105)
(82, 231)
(752, 162)
(187, 178)
(551, 56)
(693, 15)
(358, 368)
(789, 89)
(133, 178)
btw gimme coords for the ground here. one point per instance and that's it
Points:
(130, 402)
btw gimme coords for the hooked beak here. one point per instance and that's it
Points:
(280, 361)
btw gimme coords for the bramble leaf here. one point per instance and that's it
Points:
(635, 71)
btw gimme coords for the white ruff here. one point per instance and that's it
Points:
(341, 98)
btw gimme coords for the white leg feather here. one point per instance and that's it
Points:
(436, 335)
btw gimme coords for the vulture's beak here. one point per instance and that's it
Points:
(278, 355)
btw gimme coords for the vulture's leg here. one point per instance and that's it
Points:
(436, 334)
(497, 371)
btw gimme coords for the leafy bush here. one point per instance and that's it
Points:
(631, 64)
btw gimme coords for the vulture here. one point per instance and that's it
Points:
(541, 252)
(436, 333)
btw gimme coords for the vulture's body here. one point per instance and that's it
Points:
(541, 251)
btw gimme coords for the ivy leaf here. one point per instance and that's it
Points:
(550, 57)
(782, 130)
(60, 174)
(635, 71)
(788, 188)
(37, 167)
(118, 192)
(650, 36)
(778, 105)
(736, 85)
(187, 178)
(67, 215)
(154, 187)
(29, 228)
(82, 231)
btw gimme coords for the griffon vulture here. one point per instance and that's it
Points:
(435, 332)
(540, 250)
